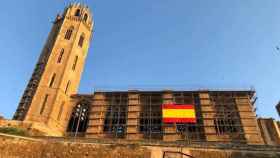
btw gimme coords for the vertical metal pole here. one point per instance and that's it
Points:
(119, 115)
(111, 127)
(72, 126)
(79, 119)
(150, 110)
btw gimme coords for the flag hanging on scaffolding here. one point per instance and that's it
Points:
(176, 113)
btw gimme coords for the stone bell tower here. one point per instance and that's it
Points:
(58, 71)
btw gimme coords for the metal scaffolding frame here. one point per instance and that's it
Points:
(222, 110)
(116, 115)
(227, 120)
(151, 116)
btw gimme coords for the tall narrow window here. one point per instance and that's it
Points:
(52, 80)
(85, 17)
(75, 63)
(67, 86)
(78, 12)
(68, 33)
(60, 110)
(223, 126)
(60, 56)
(44, 104)
(81, 40)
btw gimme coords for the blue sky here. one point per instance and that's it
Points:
(179, 44)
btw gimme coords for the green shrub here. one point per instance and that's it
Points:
(13, 131)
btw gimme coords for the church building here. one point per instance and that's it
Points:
(51, 99)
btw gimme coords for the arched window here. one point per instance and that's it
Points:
(44, 104)
(75, 63)
(78, 119)
(60, 56)
(67, 86)
(52, 80)
(78, 12)
(81, 40)
(85, 17)
(60, 110)
(68, 33)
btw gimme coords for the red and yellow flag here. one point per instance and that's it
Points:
(175, 113)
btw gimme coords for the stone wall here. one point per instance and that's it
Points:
(32, 128)
(269, 130)
(18, 147)
(45, 147)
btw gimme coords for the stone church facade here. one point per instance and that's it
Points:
(51, 100)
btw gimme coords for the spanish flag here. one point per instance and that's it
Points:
(176, 113)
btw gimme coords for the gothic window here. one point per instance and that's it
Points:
(67, 86)
(78, 12)
(52, 80)
(227, 119)
(81, 40)
(44, 104)
(223, 126)
(79, 119)
(151, 116)
(85, 17)
(68, 33)
(75, 63)
(60, 56)
(60, 110)
(116, 115)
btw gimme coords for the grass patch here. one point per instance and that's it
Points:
(13, 131)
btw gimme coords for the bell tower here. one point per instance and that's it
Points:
(58, 71)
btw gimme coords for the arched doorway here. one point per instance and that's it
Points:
(79, 120)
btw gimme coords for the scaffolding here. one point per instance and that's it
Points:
(151, 116)
(221, 116)
(116, 115)
(227, 120)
